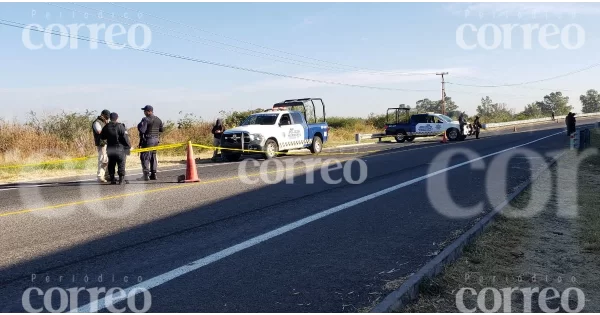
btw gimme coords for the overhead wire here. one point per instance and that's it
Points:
(493, 85)
(475, 79)
(254, 44)
(253, 53)
(156, 52)
(533, 81)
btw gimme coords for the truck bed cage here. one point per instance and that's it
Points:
(396, 116)
(301, 102)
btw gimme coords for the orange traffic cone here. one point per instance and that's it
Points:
(444, 138)
(191, 172)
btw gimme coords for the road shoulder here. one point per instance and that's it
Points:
(547, 250)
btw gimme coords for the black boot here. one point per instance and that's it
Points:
(144, 177)
(113, 181)
(153, 176)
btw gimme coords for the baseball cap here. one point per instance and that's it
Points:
(105, 112)
(148, 108)
(114, 116)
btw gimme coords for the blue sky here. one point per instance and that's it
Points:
(386, 37)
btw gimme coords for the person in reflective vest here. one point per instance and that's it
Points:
(118, 147)
(149, 129)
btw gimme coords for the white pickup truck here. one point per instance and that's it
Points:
(272, 132)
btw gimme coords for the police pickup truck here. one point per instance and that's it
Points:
(422, 125)
(277, 130)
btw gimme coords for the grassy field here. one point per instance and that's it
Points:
(68, 136)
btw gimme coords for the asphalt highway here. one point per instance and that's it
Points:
(257, 236)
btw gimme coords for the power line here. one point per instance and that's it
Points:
(156, 52)
(367, 70)
(272, 49)
(534, 81)
(316, 66)
(474, 79)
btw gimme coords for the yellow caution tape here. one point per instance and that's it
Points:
(179, 145)
(140, 150)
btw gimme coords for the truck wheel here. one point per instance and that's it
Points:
(232, 157)
(410, 139)
(452, 134)
(271, 149)
(317, 145)
(401, 136)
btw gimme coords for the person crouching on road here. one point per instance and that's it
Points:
(149, 129)
(97, 127)
(118, 147)
(217, 131)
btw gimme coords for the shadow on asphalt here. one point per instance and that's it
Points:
(229, 208)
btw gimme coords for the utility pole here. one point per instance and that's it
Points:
(443, 92)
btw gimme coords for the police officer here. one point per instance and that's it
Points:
(97, 126)
(477, 126)
(149, 129)
(462, 122)
(118, 147)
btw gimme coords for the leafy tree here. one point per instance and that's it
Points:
(497, 112)
(427, 105)
(235, 118)
(590, 102)
(532, 110)
(557, 102)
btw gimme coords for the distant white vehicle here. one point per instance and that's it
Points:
(405, 128)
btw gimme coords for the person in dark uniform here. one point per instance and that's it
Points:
(477, 126)
(572, 125)
(570, 122)
(462, 122)
(149, 129)
(118, 147)
(217, 131)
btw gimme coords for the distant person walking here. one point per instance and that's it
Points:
(553, 119)
(217, 132)
(97, 127)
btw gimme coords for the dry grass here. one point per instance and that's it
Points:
(43, 140)
(492, 254)
(31, 144)
(589, 198)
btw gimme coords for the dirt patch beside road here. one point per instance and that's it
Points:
(550, 250)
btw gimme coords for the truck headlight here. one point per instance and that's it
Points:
(256, 137)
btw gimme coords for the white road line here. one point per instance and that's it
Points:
(168, 276)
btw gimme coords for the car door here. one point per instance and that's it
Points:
(423, 125)
(438, 125)
(292, 134)
(300, 124)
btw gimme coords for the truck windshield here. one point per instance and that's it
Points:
(446, 118)
(263, 119)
